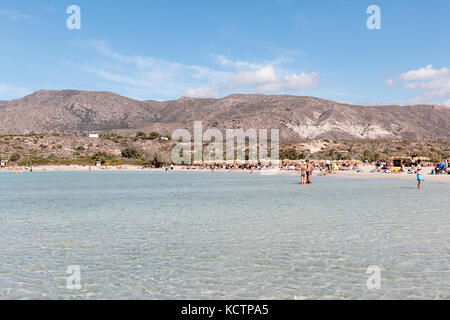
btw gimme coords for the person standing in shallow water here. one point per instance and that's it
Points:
(420, 178)
(309, 171)
(303, 170)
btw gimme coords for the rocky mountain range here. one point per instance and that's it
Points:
(74, 112)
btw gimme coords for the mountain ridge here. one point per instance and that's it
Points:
(77, 112)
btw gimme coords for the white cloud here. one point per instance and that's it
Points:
(447, 103)
(433, 83)
(300, 81)
(265, 75)
(267, 80)
(390, 82)
(425, 73)
(205, 92)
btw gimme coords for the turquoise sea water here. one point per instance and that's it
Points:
(184, 235)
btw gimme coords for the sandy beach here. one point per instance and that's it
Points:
(366, 172)
(379, 175)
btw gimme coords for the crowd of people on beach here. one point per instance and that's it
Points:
(441, 167)
(305, 168)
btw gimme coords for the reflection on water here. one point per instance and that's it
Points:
(221, 236)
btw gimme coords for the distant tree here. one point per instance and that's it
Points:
(154, 135)
(131, 153)
(103, 157)
(15, 157)
(289, 154)
(141, 135)
(157, 163)
(370, 156)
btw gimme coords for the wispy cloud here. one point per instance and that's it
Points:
(433, 83)
(49, 8)
(390, 82)
(155, 76)
(12, 92)
(14, 15)
(205, 92)
(225, 62)
(150, 75)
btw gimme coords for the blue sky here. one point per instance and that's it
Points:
(162, 50)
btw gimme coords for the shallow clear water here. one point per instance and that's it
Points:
(152, 235)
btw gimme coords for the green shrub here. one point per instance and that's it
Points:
(103, 157)
(131, 153)
(141, 135)
(370, 155)
(15, 157)
(289, 154)
(157, 163)
(154, 135)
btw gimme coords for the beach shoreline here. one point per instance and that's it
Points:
(365, 172)
(395, 176)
